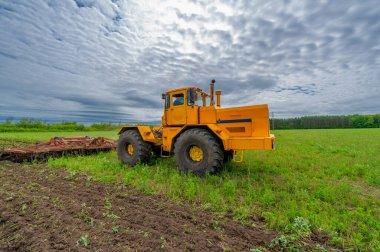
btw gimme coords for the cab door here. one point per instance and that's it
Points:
(192, 108)
(176, 112)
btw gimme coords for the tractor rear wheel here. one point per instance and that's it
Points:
(131, 148)
(199, 152)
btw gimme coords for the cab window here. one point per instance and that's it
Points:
(198, 99)
(178, 99)
(190, 97)
(167, 101)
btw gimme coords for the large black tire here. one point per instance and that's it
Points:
(142, 151)
(212, 152)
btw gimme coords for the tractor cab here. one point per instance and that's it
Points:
(182, 105)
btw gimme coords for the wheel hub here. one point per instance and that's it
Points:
(130, 149)
(196, 153)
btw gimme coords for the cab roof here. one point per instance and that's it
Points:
(179, 89)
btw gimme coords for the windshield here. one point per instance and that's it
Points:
(178, 99)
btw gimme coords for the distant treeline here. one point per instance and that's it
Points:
(306, 122)
(28, 125)
(328, 122)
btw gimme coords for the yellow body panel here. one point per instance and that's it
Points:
(233, 142)
(207, 115)
(168, 134)
(192, 114)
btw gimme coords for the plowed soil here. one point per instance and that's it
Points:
(45, 209)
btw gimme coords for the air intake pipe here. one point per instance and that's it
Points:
(218, 93)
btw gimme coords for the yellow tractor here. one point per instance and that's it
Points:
(200, 136)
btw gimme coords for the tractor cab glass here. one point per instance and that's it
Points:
(198, 98)
(167, 101)
(190, 97)
(194, 97)
(178, 99)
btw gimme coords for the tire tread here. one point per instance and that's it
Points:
(144, 149)
(217, 152)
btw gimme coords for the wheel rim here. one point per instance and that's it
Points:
(195, 153)
(129, 148)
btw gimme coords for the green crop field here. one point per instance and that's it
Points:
(326, 180)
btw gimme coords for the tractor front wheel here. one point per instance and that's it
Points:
(131, 148)
(199, 152)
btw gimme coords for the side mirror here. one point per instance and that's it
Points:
(163, 96)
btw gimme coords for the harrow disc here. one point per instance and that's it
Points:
(58, 147)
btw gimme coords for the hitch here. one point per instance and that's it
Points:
(238, 156)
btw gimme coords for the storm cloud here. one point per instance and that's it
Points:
(110, 60)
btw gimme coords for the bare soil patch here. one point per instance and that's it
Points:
(44, 209)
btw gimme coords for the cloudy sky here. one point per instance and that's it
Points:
(110, 60)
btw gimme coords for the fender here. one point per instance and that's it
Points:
(172, 133)
(146, 132)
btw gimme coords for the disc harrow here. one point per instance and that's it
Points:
(58, 147)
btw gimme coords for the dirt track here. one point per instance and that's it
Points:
(42, 209)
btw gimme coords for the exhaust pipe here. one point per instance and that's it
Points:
(212, 93)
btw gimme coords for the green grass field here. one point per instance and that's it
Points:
(325, 180)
